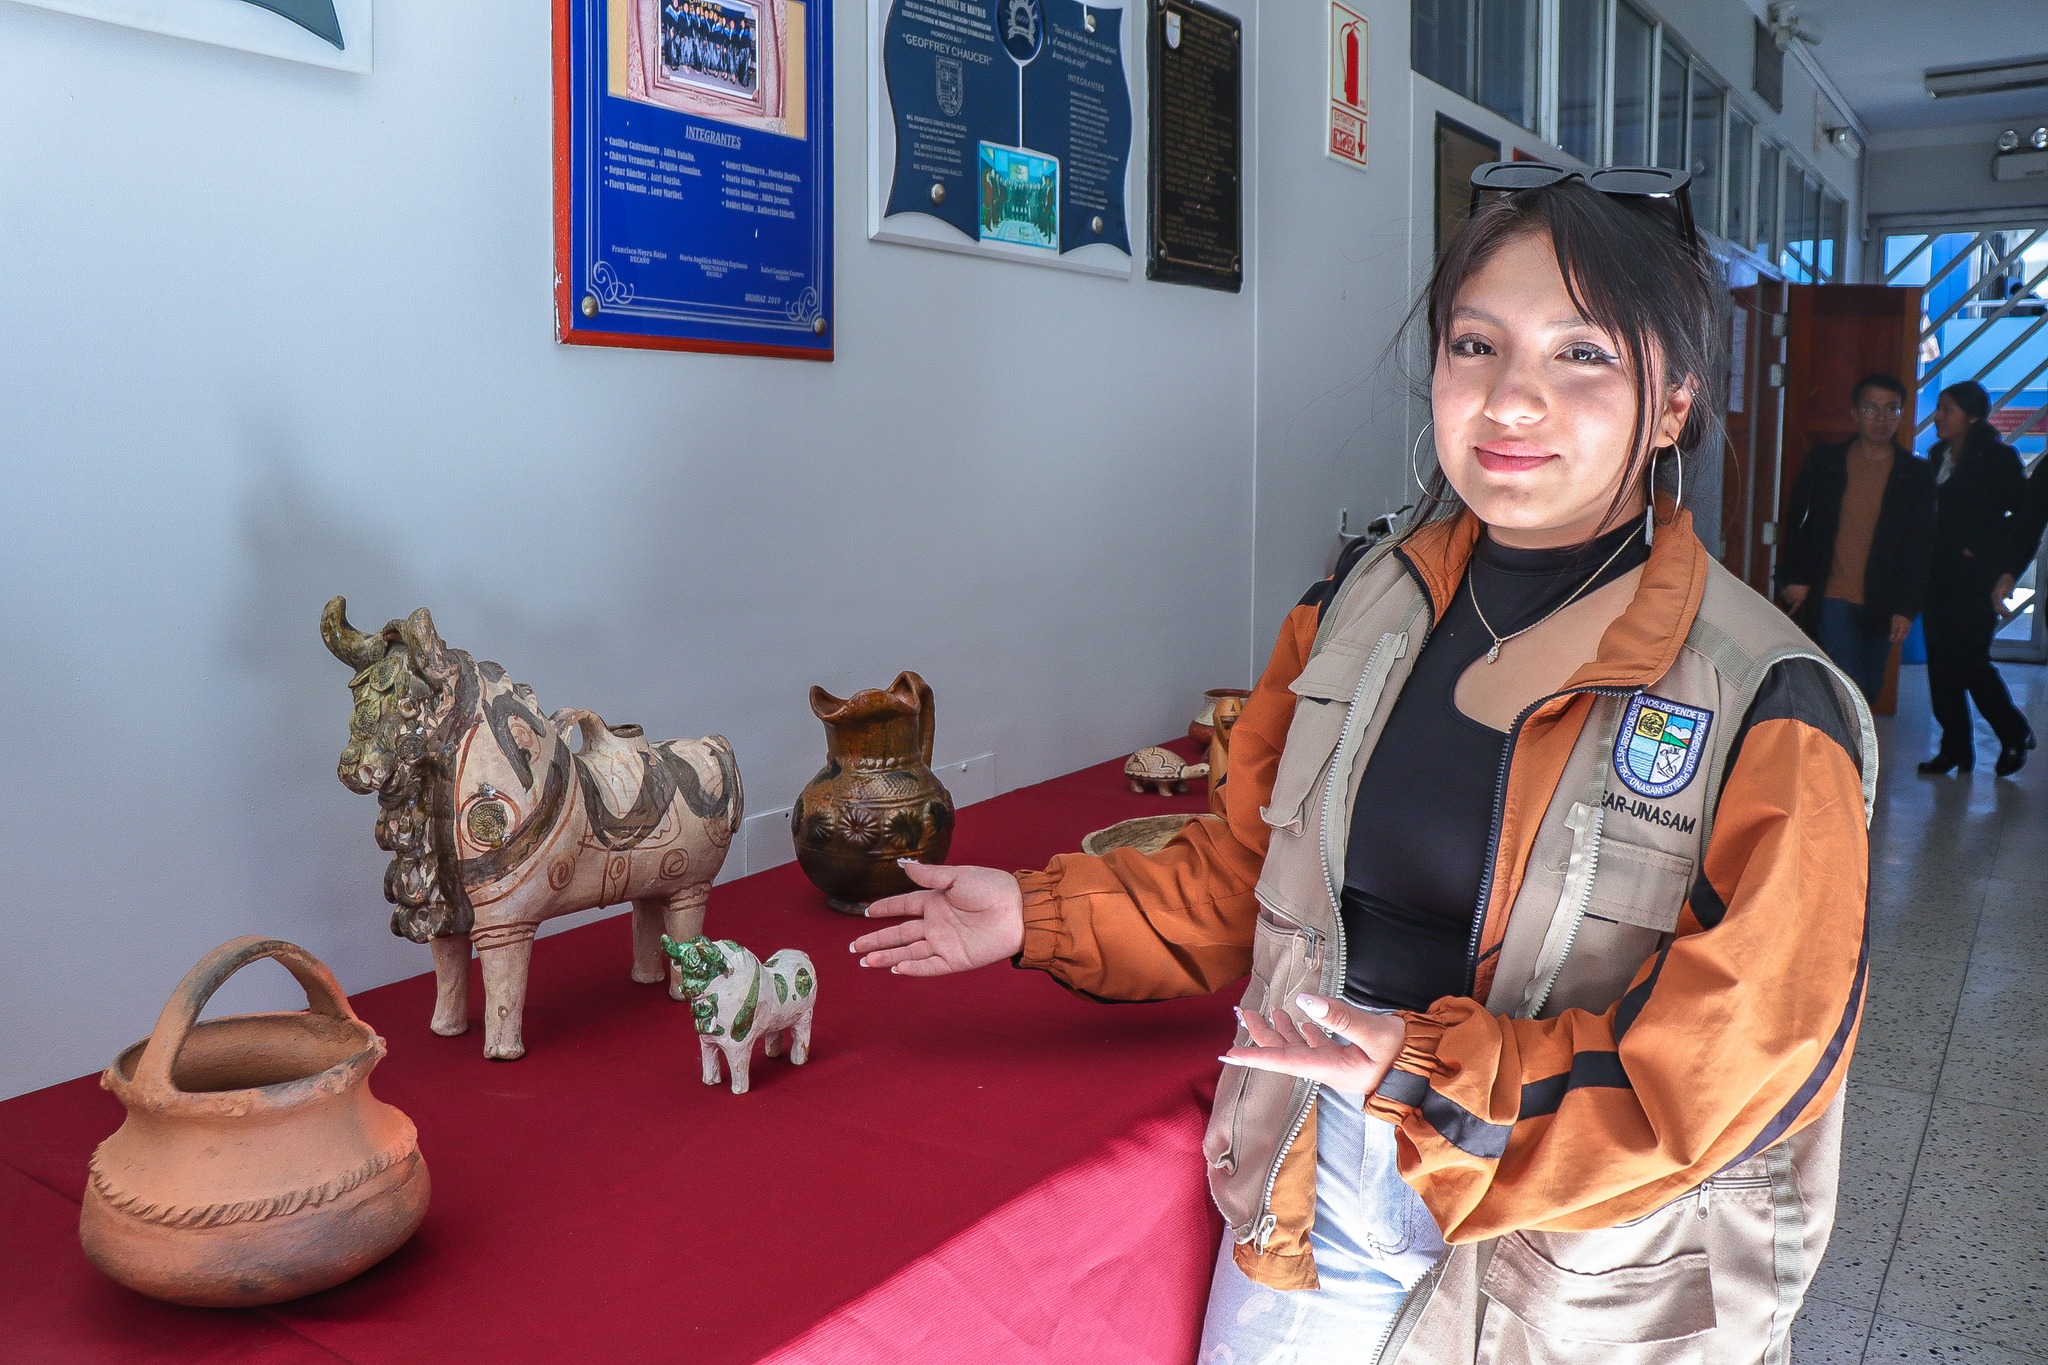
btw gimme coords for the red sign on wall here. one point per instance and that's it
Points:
(1347, 85)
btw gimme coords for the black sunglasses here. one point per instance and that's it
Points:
(1623, 182)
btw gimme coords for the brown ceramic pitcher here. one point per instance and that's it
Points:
(254, 1165)
(876, 799)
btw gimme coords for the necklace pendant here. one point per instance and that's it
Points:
(1493, 653)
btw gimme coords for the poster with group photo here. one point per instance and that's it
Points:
(693, 196)
(1003, 128)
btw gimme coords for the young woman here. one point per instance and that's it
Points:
(1544, 846)
(1980, 482)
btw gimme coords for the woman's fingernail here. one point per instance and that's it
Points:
(905, 862)
(1315, 1007)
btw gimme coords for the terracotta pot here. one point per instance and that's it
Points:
(255, 1165)
(876, 799)
(1202, 728)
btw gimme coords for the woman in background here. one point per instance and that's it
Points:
(1980, 485)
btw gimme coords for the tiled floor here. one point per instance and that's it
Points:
(1941, 1249)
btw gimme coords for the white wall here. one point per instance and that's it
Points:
(1933, 171)
(1335, 279)
(279, 332)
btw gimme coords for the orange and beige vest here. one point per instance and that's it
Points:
(1601, 894)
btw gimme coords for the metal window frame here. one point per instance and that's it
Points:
(1731, 110)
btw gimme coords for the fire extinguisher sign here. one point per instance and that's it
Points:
(1347, 85)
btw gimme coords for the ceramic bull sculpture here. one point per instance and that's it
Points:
(735, 998)
(495, 822)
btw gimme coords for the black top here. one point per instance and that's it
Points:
(1425, 811)
(1901, 544)
(1973, 542)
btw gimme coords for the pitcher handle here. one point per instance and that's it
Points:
(323, 996)
(927, 721)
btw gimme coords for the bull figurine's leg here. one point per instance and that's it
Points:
(773, 1043)
(740, 1057)
(800, 1040)
(685, 916)
(712, 1075)
(451, 985)
(649, 963)
(505, 951)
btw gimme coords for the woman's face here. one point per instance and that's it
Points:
(1950, 421)
(1533, 404)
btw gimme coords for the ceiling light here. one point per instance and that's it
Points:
(2009, 140)
(2029, 74)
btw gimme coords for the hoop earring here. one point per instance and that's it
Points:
(1420, 487)
(1650, 505)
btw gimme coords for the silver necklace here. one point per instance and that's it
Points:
(1499, 639)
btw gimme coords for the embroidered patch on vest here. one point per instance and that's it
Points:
(1658, 749)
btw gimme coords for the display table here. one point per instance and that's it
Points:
(977, 1168)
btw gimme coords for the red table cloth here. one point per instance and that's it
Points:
(974, 1168)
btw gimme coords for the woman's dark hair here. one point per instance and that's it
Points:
(1631, 273)
(1888, 382)
(1971, 398)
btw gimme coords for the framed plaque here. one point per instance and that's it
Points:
(693, 175)
(1003, 128)
(1197, 173)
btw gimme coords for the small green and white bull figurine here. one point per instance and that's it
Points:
(735, 998)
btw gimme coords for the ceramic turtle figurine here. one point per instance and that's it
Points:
(1161, 770)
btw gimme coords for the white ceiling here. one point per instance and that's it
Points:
(1876, 52)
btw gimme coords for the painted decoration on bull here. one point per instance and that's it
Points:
(736, 999)
(330, 33)
(1659, 747)
(496, 822)
(693, 175)
(1003, 129)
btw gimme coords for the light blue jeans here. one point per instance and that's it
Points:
(1373, 1239)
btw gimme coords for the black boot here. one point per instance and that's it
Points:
(1945, 762)
(2013, 757)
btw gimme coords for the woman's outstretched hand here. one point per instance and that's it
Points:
(965, 917)
(1352, 1050)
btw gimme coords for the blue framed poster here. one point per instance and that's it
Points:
(1004, 128)
(693, 175)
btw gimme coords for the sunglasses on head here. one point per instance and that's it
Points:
(1622, 182)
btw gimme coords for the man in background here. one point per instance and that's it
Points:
(1860, 537)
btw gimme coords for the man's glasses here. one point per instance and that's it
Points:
(1874, 410)
(1654, 183)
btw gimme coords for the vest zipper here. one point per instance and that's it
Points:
(1264, 1226)
(1578, 915)
(1500, 800)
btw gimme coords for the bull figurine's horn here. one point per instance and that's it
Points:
(345, 642)
(428, 650)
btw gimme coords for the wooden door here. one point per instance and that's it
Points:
(1755, 422)
(1836, 334)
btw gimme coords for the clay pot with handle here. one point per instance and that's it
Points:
(876, 799)
(254, 1165)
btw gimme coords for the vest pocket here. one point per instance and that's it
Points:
(1249, 1119)
(1631, 913)
(1644, 1314)
(1325, 687)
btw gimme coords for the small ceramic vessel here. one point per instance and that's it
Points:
(876, 799)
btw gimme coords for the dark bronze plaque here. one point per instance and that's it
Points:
(1196, 70)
